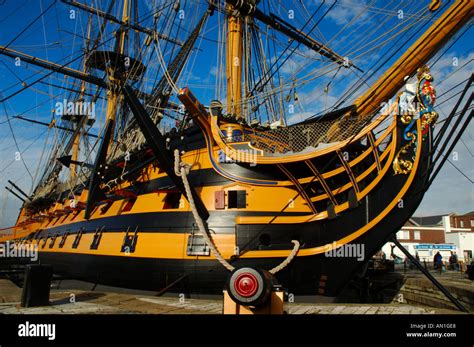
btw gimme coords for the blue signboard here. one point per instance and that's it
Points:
(435, 246)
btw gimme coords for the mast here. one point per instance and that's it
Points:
(75, 157)
(78, 134)
(114, 73)
(113, 93)
(234, 62)
(109, 17)
(418, 54)
(249, 8)
(238, 9)
(125, 20)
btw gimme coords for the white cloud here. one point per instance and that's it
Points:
(213, 71)
(345, 10)
(298, 117)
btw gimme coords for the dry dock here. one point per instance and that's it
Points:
(101, 302)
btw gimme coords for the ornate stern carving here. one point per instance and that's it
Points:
(425, 95)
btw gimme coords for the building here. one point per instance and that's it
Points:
(441, 233)
(462, 221)
(460, 232)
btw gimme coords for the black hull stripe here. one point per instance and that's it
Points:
(222, 222)
(197, 178)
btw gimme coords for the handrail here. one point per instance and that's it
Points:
(348, 170)
(371, 139)
(322, 181)
(298, 186)
(355, 161)
(389, 151)
(281, 159)
(359, 178)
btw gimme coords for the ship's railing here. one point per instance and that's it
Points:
(308, 137)
(356, 171)
(13, 232)
(352, 174)
(7, 231)
(299, 138)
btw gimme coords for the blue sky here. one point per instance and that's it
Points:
(352, 27)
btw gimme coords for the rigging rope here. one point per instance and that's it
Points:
(182, 169)
(29, 25)
(14, 139)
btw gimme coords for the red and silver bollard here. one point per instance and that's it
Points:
(252, 291)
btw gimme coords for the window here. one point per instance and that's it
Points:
(403, 235)
(77, 239)
(65, 217)
(53, 240)
(468, 255)
(472, 222)
(219, 200)
(462, 223)
(105, 208)
(63, 239)
(172, 200)
(237, 199)
(97, 237)
(75, 214)
(129, 242)
(416, 235)
(129, 204)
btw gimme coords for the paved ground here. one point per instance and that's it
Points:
(84, 302)
(454, 278)
(9, 292)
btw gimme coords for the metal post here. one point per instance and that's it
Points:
(430, 277)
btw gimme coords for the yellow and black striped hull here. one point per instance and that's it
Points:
(146, 246)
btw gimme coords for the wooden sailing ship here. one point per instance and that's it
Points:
(223, 192)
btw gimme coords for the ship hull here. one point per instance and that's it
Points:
(322, 274)
(365, 227)
(318, 274)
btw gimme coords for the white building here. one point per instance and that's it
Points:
(464, 242)
(429, 235)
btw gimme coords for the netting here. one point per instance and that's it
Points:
(304, 137)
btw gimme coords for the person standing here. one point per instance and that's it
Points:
(438, 261)
(455, 261)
